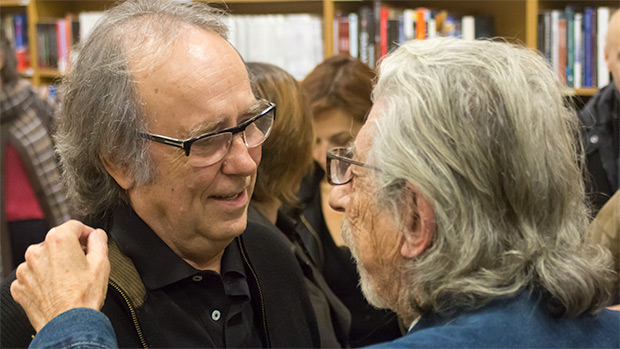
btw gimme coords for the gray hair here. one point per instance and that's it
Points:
(482, 131)
(101, 114)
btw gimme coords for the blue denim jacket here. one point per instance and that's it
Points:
(77, 328)
(519, 322)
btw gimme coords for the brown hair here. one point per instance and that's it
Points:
(340, 82)
(287, 153)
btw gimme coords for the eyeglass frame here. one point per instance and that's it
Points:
(332, 156)
(186, 144)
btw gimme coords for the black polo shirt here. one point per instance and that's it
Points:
(193, 308)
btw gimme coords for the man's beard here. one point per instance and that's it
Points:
(368, 288)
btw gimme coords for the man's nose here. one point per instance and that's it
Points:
(238, 160)
(340, 196)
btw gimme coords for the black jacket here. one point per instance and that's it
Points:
(279, 297)
(600, 137)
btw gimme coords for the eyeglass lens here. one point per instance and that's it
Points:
(209, 150)
(339, 171)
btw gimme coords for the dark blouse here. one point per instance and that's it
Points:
(369, 325)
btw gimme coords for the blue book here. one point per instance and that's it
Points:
(588, 26)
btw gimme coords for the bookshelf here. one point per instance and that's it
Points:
(515, 20)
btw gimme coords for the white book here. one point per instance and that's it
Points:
(602, 19)
(555, 40)
(408, 24)
(353, 36)
(431, 28)
(468, 27)
(578, 37)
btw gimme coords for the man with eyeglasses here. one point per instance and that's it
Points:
(464, 206)
(160, 138)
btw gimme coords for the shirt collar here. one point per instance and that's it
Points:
(155, 261)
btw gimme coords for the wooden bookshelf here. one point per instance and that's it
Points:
(515, 20)
(13, 3)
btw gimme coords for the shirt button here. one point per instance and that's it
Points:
(215, 315)
(197, 278)
(594, 139)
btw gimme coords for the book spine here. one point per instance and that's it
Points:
(353, 35)
(578, 67)
(562, 49)
(383, 30)
(468, 28)
(587, 47)
(602, 27)
(365, 16)
(21, 41)
(548, 36)
(555, 40)
(408, 24)
(570, 46)
(420, 24)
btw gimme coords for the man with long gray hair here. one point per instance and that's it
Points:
(464, 205)
(160, 138)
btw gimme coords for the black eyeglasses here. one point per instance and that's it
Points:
(210, 148)
(339, 161)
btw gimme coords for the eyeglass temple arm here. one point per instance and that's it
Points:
(165, 140)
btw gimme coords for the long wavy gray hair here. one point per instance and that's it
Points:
(101, 114)
(482, 130)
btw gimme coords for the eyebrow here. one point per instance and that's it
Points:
(220, 121)
(208, 126)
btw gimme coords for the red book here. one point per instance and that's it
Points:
(383, 30)
(562, 50)
(343, 35)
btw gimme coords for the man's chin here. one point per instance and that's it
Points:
(370, 291)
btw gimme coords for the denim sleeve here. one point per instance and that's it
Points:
(77, 328)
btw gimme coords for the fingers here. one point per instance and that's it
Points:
(97, 251)
(71, 228)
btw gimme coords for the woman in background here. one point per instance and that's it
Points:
(339, 92)
(285, 160)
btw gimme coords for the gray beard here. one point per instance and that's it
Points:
(369, 291)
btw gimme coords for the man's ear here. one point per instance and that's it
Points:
(119, 173)
(419, 235)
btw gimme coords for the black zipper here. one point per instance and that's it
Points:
(134, 318)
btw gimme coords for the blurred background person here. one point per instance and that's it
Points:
(286, 159)
(601, 120)
(339, 92)
(32, 196)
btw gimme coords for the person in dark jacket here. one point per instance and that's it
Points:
(159, 139)
(600, 119)
(287, 157)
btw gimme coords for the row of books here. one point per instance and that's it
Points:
(371, 33)
(16, 29)
(292, 42)
(54, 38)
(574, 43)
